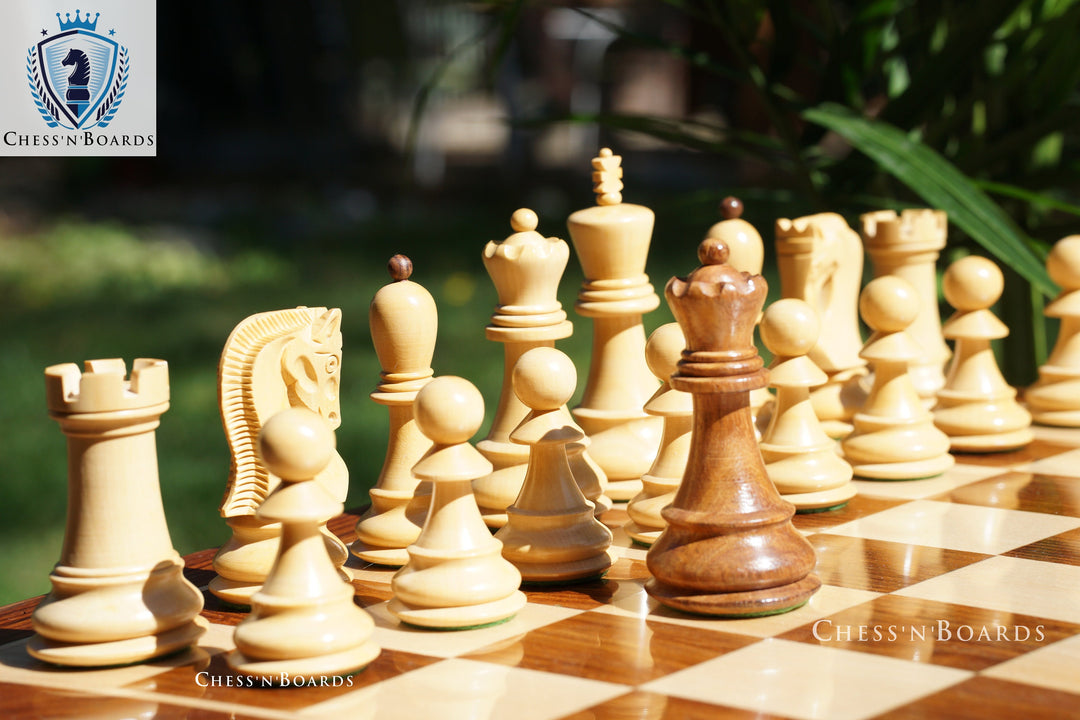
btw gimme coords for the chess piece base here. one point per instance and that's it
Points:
(391, 557)
(642, 535)
(564, 572)
(1056, 418)
(821, 500)
(234, 592)
(307, 670)
(914, 470)
(837, 429)
(459, 618)
(752, 603)
(1000, 442)
(118, 652)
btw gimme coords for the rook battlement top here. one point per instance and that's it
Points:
(103, 386)
(912, 230)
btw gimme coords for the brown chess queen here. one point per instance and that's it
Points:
(730, 548)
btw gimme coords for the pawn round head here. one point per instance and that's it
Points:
(296, 444)
(663, 350)
(790, 328)
(449, 410)
(524, 220)
(972, 283)
(889, 304)
(1063, 263)
(544, 378)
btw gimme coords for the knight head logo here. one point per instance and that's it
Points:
(77, 77)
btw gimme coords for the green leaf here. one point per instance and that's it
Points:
(940, 184)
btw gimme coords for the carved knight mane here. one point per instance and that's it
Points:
(272, 361)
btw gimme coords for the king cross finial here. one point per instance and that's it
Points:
(607, 177)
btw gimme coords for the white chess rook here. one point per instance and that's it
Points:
(118, 593)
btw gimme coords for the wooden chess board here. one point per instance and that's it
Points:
(955, 597)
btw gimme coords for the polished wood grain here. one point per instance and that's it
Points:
(859, 506)
(1035, 450)
(618, 649)
(981, 698)
(1063, 548)
(1050, 494)
(641, 705)
(882, 566)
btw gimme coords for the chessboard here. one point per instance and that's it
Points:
(956, 596)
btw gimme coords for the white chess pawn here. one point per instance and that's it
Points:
(456, 576)
(1055, 398)
(551, 534)
(676, 407)
(799, 457)
(977, 409)
(894, 436)
(303, 621)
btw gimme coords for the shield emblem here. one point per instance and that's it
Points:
(78, 69)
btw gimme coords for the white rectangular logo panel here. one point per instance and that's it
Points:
(78, 82)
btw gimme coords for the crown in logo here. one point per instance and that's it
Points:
(78, 23)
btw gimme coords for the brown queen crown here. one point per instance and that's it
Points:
(717, 306)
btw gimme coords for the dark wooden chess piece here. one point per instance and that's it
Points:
(729, 548)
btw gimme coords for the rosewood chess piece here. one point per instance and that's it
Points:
(404, 324)
(611, 240)
(729, 548)
(118, 593)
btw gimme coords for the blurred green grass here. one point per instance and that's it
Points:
(78, 290)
